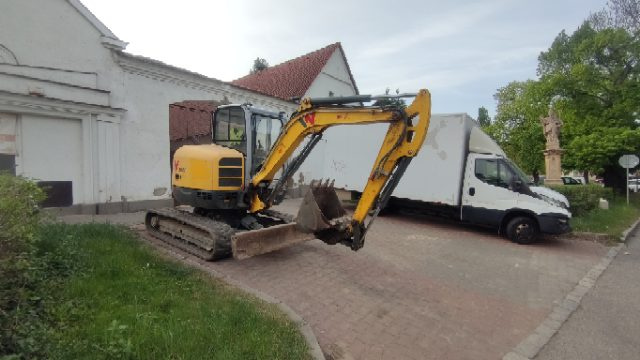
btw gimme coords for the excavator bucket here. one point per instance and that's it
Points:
(319, 207)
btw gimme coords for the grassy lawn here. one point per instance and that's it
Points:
(119, 300)
(613, 221)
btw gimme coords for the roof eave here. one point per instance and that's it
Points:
(109, 39)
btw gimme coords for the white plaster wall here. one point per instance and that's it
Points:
(75, 78)
(145, 126)
(24, 85)
(106, 161)
(52, 34)
(51, 149)
(334, 77)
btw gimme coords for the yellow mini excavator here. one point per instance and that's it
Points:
(229, 186)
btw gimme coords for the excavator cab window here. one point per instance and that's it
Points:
(267, 130)
(230, 129)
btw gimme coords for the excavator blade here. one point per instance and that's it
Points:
(247, 244)
(316, 219)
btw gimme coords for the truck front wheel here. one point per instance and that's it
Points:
(522, 230)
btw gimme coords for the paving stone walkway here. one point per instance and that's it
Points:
(419, 289)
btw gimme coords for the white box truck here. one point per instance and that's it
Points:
(460, 172)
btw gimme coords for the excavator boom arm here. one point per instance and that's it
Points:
(405, 136)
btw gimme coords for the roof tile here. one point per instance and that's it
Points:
(292, 78)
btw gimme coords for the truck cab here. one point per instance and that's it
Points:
(497, 194)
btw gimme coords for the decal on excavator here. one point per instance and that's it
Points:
(177, 168)
(309, 119)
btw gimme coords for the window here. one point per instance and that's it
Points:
(495, 172)
(267, 132)
(59, 193)
(8, 163)
(222, 125)
(230, 128)
(570, 181)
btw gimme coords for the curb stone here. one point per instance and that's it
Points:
(531, 346)
(314, 347)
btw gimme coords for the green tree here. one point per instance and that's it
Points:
(591, 78)
(391, 101)
(259, 64)
(594, 75)
(483, 117)
(516, 126)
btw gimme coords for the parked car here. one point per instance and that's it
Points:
(568, 180)
(580, 179)
(634, 185)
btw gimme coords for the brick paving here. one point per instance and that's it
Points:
(420, 288)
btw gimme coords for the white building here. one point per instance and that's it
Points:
(88, 119)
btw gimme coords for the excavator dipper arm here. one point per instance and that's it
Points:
(321, 212)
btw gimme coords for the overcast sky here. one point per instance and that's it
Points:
(462, 51)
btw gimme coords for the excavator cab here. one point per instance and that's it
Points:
(215, 177)
(249, 130)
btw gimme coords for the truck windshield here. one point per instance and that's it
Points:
(524, 178)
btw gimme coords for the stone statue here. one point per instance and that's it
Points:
(553, 154)
(551, 127)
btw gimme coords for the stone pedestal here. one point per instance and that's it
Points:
(553, 166)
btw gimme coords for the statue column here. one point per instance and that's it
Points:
(553, 153)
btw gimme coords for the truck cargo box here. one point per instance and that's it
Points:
(435, 175)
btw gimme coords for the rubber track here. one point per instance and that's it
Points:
(215, 246)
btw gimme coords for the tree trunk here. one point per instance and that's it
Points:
(614, 177)
(536, 177)
(585, 175)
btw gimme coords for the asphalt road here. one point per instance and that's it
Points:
(606, 325)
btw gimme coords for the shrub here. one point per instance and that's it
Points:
(19, 213)
(583, 198)
(19, 220)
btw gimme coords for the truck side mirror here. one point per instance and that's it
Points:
(516, 185)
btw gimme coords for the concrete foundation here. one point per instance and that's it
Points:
(110, 208)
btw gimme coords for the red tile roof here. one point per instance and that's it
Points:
(294, 77)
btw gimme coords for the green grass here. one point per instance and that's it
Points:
(120, 300)
(613, 221)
